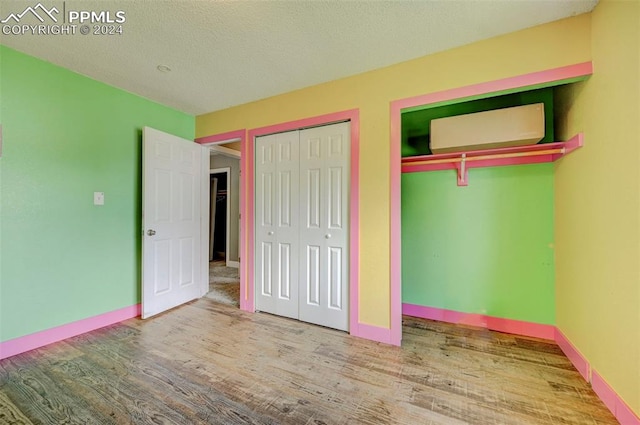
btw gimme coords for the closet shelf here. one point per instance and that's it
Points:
(462, 161)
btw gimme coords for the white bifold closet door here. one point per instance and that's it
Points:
(276, 213)
(302, 224)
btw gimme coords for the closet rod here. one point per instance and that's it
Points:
(464, 158)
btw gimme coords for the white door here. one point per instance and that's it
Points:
(301, 221)
(324, 225)
(172, 176)
(276, 224)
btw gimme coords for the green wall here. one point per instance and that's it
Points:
(66, 136)
(486, 248)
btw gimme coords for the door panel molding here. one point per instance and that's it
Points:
(277, 204)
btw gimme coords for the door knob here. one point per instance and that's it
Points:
(327, 236)
(151, 232)
(270, 233)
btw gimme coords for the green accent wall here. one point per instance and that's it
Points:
(416, 125)
(66, 136)
(486, 248)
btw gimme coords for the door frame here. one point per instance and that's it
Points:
(547, 78)
(247, 286)
(227, 171)
(212, 142)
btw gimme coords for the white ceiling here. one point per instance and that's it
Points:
(225, 53)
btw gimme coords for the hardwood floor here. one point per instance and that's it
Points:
(209, 363)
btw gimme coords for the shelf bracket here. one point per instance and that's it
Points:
(517, 155)
(463, 172)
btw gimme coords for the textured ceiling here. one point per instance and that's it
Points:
(225, 53)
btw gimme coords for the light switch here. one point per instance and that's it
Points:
(98, 198)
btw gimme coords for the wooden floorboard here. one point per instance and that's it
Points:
(209, 363)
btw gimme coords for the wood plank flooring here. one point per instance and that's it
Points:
(209, 363)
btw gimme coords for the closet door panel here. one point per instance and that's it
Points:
(324, 218)
(276, 227)
(265, 176)
(287, 227)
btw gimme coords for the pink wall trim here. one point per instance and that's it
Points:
(373, 333)
(396, 107)
(242, 136)
(244, 190)
(578, 360)
(614, 403)
(517, 327)
(354, 225)
(519, 81)
(395, 265)
(49, 336)
(352, 115)
(305, 122)
(248, 213)
(222, 137)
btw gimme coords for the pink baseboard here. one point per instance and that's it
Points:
(49, 336)
(578, 360)
(373, 333)
(612, 400)
(623, 413)
(499, 324)
(609, 397)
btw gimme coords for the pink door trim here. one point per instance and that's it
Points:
(215, 139)
(396, 107)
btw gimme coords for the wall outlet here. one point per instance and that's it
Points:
(98, 198)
